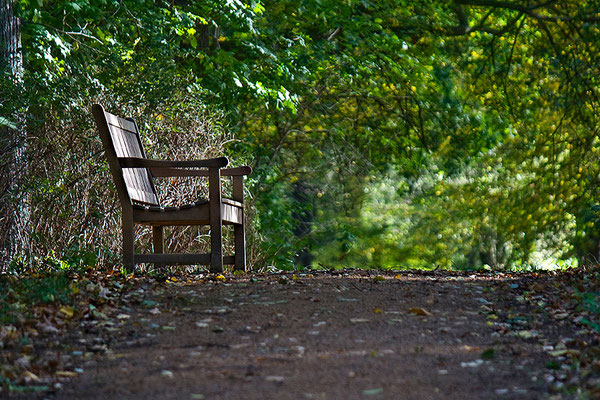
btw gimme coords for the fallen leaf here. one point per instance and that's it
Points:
(29, 377)
(527, 334)
(66, 374)
(299, 349)
(488, 354)
(274, 378)
(67, 312)
(98, 348)
(98, 314)
(420, 311)
(220, 278)
(104, 292)
(486, 309)
(372, 392)
(23, 362)
(558, 353)
(379, 278)
(166, 373)
(149, 303)
(9, 332)
(47, 328)
(472, 364)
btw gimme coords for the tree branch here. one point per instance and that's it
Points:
(529, 10)
(464, 28)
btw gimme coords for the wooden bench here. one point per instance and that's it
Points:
(133, 176)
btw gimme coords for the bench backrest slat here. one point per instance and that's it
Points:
(124, 141)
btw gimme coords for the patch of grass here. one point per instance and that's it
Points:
(17, 293)
(48, 289)
(19, 389)
(30, 281)
(590, 302)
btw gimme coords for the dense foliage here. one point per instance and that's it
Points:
(382, 133)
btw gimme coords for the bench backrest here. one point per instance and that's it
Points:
(121, 138)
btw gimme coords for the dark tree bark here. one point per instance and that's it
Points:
(14, 200)
(303, 220)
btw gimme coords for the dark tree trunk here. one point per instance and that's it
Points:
(11, 39)
(303, 220)
(15, 201)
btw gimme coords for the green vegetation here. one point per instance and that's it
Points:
(384, 134)
(47, 281)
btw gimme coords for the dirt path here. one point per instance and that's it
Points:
(324, 336)
(332, 335)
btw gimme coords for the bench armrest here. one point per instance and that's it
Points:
(237, 171)
(135, 162)
(168, 172)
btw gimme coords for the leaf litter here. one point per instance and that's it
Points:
(542, 325)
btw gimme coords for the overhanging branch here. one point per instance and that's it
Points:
(530, 10)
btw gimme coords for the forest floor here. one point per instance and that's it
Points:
(321, 335)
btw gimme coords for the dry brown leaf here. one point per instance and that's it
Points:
(29, 377)
(420, 311)
(66, 374)
(66, 312)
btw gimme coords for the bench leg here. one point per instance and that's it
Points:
(157, 242)
(216, 222)
(240, 247)
(239, 230)
(128, 246)
(216, 247)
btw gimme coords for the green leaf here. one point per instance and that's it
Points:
(7, 123)
(372, 392)
(488, 354)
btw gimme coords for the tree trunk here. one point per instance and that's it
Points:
(15, 201)
(303, 221)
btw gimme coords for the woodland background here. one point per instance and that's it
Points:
(394, 134)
